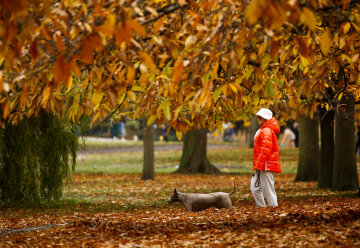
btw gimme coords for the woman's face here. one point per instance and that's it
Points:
(260, 120)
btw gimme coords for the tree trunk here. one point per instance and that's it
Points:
(148, 142)
(326, 166)
(252, 131)
(194, 159)
(308, 163)
(345, 175)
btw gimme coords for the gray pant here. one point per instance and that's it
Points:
(262, 185)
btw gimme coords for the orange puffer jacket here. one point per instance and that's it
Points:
(266, 149)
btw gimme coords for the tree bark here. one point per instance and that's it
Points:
(308, 163)
(345, 175)
(194, 159)
(148, 142)
(252, 131)
(327, 149)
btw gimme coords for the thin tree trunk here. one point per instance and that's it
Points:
(345, 175)
(308, 163)
(148, 141)
(253, 128)
(194, 159)
(326, 166)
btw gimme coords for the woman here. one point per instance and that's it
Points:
(265, 159)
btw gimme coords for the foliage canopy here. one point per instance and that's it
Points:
(185, 62)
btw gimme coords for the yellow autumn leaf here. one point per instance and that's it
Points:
(346, 27)
(151, 120)
(96, 99)
(233, 88)
(70, 84)
(166, 110)
(252, 12)
(308, 18)
(46, 95)
(109, 25)
(325, 42)
(179, 135)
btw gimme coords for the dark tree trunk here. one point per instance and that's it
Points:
(252, 131)
(194, 159)
(308, 163)
(148, 141)
(326, 166)
(345, 175)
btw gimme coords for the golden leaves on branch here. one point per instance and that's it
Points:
(308, 18)
(89, 45)
(325, 42)
(61, 71)
(123, 32)
(148, 61)
(272, 11)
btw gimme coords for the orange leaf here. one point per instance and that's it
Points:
(148, 61)
(59, 43)
(6, 110)
(61, 71)
(74, 68)
(130, 75)
(137, 27)
(122, 33)
(178, 70)
(96, 42)
(158, 24)
(33, 51)
(86, 52)
(23, 96)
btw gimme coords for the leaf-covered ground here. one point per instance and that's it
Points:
(112, 210)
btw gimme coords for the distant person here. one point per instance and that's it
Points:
(289, 138)
(295, 129)
(265, 159)
(229, 132)
(122, 130)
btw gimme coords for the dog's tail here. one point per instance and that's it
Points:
(233, 189)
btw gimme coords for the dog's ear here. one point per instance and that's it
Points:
(175, 192)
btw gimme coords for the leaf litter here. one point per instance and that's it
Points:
(122, 211)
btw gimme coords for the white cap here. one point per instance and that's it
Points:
(265, 113)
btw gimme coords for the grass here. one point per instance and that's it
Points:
(228, 160)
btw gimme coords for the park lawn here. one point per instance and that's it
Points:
(113, 209)
(228, 160)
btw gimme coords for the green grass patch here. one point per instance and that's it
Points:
(228, 160)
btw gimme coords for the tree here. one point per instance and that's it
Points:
(35, 158)
(326, 167)
(308, 164)
(190, 63)
(345, 172)
(148, 142)
(193, 158)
